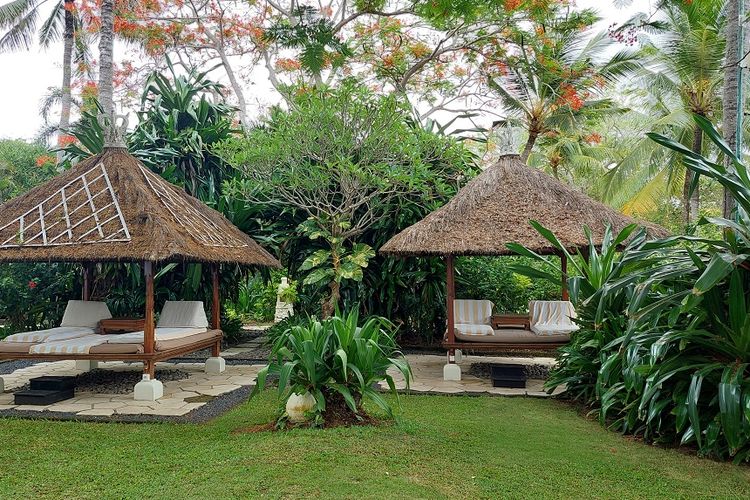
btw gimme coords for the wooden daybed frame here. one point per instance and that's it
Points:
(451, 343)
(150, 355)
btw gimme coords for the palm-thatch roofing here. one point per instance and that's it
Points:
(495, 208)
(112, 208)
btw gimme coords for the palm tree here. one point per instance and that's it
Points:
(682, 77)
(730, 102)
(553, 84)
(19, 20)
(106, 62)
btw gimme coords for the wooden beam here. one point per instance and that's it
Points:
(149, 333)
(215, 308)
(215, 301)
(450, 296)
(87, 275)
(564, 269)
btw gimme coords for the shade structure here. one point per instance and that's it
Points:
(495, 208)
(112, 208)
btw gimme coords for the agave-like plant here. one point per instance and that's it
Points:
(336, 358)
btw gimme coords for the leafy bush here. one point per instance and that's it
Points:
(23, 165)
(34, 296)
(324, 148)
(335, 360)
(664, 345)
(492, 278)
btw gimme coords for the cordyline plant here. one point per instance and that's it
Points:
(664, 345)
(335, 359)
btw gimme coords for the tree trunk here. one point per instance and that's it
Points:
(106, 69)
(691, 201)
(329, 306)
(529, 145)
(730, 97)
(65, 97)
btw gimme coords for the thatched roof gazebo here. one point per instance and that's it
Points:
(111, 208)
(494, 209)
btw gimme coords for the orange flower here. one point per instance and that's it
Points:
(593, 138)
(65, 139)
(45, 160)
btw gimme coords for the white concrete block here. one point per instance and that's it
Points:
(148, 390)
(452, 371)
(215, 366)
(86, 365)
(459, 355)
(2, 385)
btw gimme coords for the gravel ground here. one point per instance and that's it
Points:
(7, 367)
(117, 382)
(212, 409)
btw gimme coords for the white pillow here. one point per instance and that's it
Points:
(85, 313)
(181, 314)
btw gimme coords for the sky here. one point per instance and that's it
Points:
(27, 76)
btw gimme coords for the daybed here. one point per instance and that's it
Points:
(548, 325)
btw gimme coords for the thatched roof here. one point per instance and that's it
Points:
(112, 208)
(495, 209)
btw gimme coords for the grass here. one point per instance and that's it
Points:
(443, 446)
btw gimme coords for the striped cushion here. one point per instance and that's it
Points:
(473, 312)
(552, 317)
(474, 330)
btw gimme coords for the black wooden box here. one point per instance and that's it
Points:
(511, 376)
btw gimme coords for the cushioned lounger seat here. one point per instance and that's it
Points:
(161, 346)
(167, 345)
(513, 336)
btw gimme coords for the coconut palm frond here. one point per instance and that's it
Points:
(53, 27)
(20, 36)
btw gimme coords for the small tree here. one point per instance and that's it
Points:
(342, 158)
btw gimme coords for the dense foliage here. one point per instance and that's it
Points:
(333, 179)
(664, 347)
(336, 360)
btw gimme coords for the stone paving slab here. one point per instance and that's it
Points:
(175, 402)
(427, 371)
(235, 384)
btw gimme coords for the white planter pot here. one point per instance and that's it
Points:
(299, 404)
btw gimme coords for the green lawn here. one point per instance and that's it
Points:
(445, 446)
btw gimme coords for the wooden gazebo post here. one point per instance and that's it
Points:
(149, 389)
(451, 371)
(215, 364)
(564, 269)
(86, 291)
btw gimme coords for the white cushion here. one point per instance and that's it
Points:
(473, 312)
(552, 317)
(183, 314)
(478, 330)
(85, 313)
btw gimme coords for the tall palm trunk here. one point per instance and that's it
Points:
(106, 47)
(730, 101)
(65, 98)
(533, 134)
(692, 200)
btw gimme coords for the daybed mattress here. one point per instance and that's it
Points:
(119, 348)
(514, 336)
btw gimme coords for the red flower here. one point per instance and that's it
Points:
(32, 284)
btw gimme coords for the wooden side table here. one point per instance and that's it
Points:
(510, 321)
(122, 325)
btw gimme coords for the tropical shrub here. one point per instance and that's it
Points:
(331, 180)
(23, 165)
(664, 345)
(34, 296)
(492, 278)
(337, 362)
